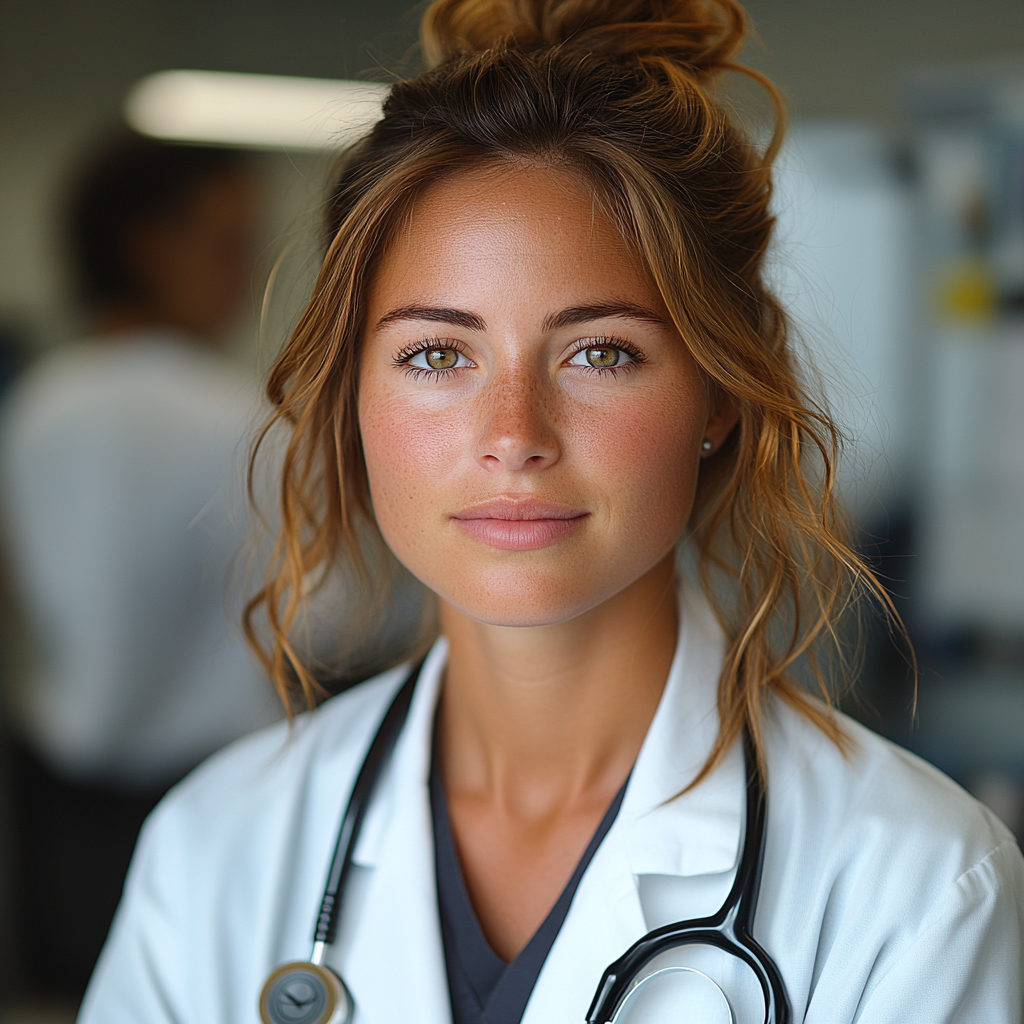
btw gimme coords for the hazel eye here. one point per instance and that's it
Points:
(442, 358)
(601, 357)
(439, 359)
(604, 356)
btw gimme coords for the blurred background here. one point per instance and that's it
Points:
(900, 254)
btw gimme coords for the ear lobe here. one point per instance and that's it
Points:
(724, 415)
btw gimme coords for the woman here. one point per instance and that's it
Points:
(540, 359)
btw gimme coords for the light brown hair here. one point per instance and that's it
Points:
(619, 93)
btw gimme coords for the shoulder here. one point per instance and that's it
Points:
(877, 866)
(229, 868)
(45, 386)
(262, 775)
(99, 386)
(878, 791)
(259, 817)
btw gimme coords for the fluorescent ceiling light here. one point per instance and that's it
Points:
(258, 111)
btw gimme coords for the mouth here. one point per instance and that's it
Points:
(519, 524)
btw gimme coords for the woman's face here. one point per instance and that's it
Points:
(531, 420)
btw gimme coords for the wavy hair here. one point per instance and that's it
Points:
(619, 93)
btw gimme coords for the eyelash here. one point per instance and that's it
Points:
(637, 358)
(418, 372)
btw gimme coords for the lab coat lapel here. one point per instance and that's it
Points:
(698, 832)
(657, 831)
(605, 919)
(394, 960)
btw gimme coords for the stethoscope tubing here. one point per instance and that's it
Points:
(729, 928)
(377, 757)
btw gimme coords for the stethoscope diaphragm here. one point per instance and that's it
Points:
(301, 992)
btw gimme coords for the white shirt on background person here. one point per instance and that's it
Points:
(121, 462)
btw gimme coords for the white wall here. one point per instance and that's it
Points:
(843, 264)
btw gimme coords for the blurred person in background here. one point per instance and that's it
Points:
(116, 461)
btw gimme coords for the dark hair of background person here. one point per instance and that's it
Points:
(128, 181)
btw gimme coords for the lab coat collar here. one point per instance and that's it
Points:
(405, 779)
(395, 962)
(666, 834)
(697, 832)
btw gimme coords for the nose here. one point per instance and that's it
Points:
(516, 428)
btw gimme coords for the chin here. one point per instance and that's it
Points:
(501, 614)
(526, 596)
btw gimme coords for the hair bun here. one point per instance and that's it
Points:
(703, 35)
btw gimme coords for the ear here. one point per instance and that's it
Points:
(724, 415)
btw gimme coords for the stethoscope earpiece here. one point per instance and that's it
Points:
(305, 993)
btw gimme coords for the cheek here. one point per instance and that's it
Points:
(646, 453)
(409, 452)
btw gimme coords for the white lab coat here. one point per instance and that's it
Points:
(889, 895)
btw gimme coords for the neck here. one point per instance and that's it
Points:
(540, 717)
(118, 319)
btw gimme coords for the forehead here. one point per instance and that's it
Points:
(497, 232)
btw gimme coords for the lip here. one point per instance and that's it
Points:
(519, 524)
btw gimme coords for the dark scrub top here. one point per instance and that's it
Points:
(483, 988)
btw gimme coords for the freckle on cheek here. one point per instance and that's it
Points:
(637, 441)
(644, 456)
(405, 452)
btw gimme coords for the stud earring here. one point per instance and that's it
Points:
(707, 445)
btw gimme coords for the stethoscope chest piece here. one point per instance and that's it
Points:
(304, 993)
(703, 1000)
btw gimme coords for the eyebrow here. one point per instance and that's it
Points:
(569, 317)
(575, 315)
(434, 315)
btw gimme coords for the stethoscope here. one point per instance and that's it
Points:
(309, 992)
